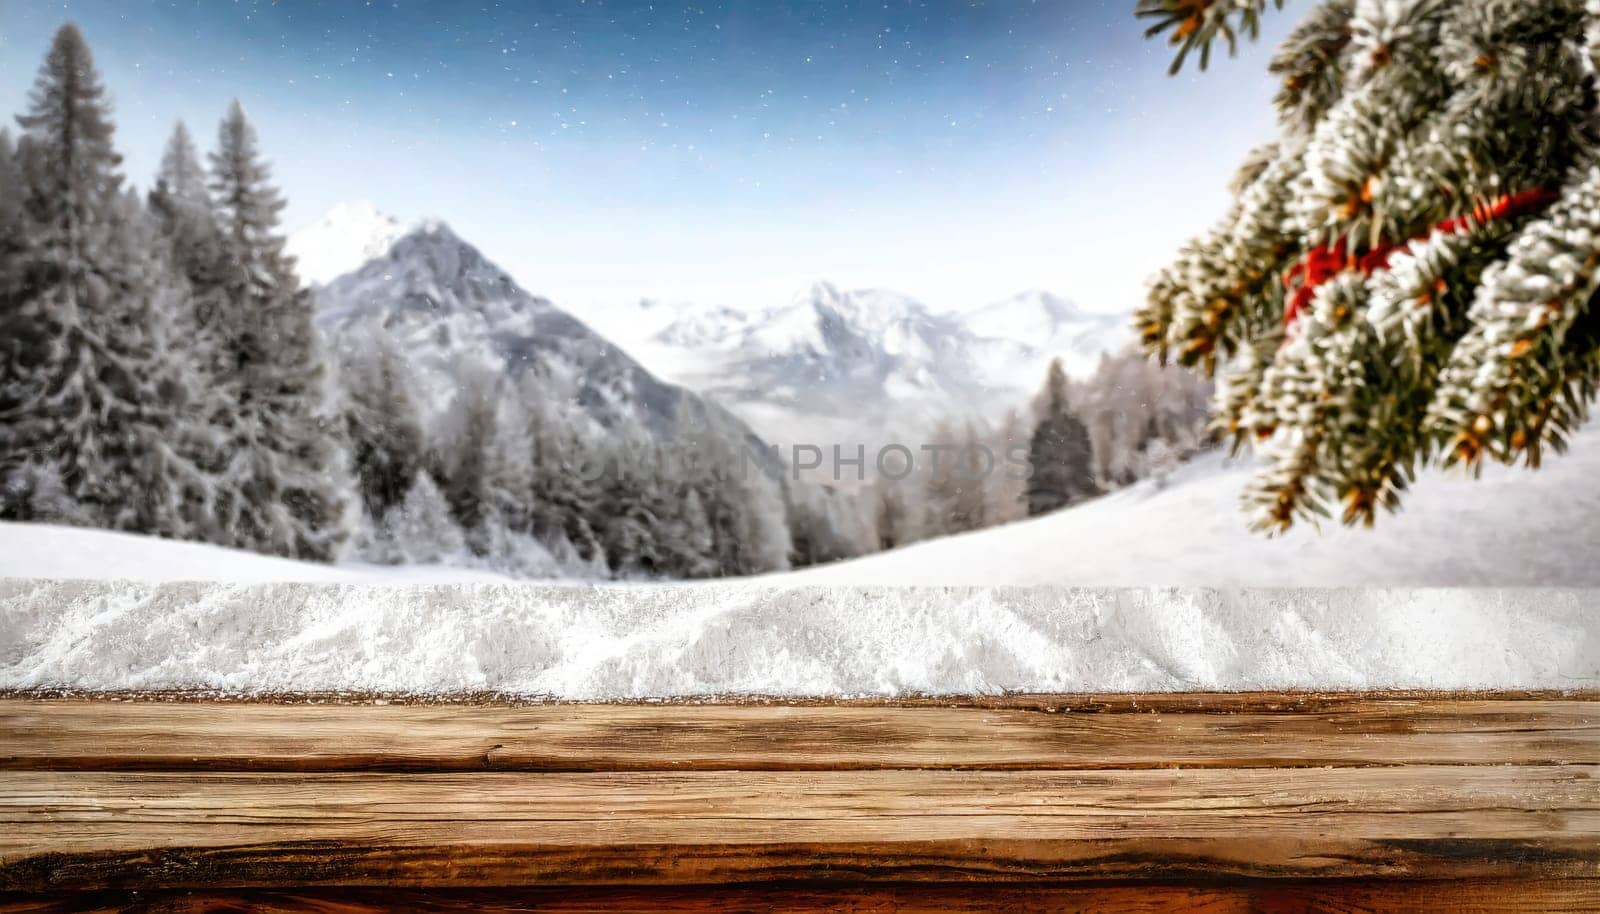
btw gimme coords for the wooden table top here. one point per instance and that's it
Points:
(1254, 802)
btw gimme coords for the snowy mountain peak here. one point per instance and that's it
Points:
(820, 292)
(430, 270)
(447, 256)
(1028, 316)
(346, 237)
(452, 311)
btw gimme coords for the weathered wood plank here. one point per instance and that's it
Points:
(1414, 897)
(150, 735)
(106, 829)
(787, 899)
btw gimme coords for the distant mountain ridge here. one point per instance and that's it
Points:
(829, 365)
(867, 365)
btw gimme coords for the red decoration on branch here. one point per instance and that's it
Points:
(1324, 262)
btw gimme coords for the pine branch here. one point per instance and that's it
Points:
(1197, 24)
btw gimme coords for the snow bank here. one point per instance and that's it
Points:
(662, 641)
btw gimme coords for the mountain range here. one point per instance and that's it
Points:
(828, 366)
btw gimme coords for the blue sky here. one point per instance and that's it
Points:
(724, 152)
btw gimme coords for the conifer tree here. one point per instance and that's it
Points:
(12, 244)
(189, 242)
(466, 450)
(1060, 454)
(384, 426)
(741, 495)
(192, 239)
(892, 519)
(940, 487)
(419, 529)
(11, 185)
(974, 465)
(82, 374)
(1408, 274)
(1007, 485)
(285, 463)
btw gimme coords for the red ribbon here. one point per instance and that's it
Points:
(1326, 261)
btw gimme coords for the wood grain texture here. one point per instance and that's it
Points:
(1414, 897)
(151, 735)
(1301, 802)
(109, 829)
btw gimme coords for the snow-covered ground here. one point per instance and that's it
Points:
(882, 625)
(44, 551)
(1510, 528)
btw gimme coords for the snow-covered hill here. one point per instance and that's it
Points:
(836, 631)
(47, 551)
(341, 241)
(1510, 528)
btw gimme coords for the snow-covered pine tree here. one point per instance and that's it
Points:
(1131, 404)
(189, 242)
(183, 210)
(384, 425)
(567, 469)
(172, 491)
(892, 517)
(689, 536)
(1409, 273)
(83, 377)
(420, 529)
(10, 203)
(286, 464)
(1060, 454)
(1007, 488)
(743, 500)
(824, 524)
(630, 523)
(940, 487)
(12, 242)
(975, 463)
(683, 543)
(511, 467)
(465, 444)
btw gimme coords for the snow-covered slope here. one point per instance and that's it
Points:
(47, 551)
(346, 237)
(1510, 528)
(836, 631)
